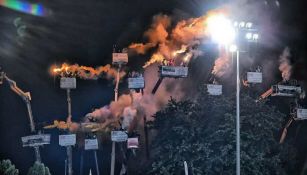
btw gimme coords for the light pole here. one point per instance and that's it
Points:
(224, 32)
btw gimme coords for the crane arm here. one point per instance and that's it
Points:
(265, 95)
(285, 131)
(26, 96)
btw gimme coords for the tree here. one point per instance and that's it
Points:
(202, 133)
(39, 169)
(7, 168)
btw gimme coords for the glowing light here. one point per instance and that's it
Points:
(23, 6)
(249, 36)
(249, 25)
(233, 48)
(255, 36)
(242, 24)
(221, 29)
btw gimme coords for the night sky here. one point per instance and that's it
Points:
(84, 32)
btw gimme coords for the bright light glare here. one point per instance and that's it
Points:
(249, 25)
(233, 48)
(242, 24)
(249, 36)
(255, 36)
(221, 29)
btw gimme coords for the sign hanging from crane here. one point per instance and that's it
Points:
(67, 140)
(91, 144)
(35, 140)
(254, 77)
(301, 114)
(68, 83)
(120, 58)
(214, 89)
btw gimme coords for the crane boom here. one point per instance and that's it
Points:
(265, 95)
(26, 97)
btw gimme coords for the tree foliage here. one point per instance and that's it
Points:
(7, 168)
(39, 169)
(202, 133)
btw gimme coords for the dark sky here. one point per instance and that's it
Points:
(84, 32)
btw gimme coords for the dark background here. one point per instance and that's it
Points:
(84, 32)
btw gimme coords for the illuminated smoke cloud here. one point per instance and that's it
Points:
(222, 64)
(156, 34)
(168, 43)
(180, 44)
(284, 64)
(136, 105)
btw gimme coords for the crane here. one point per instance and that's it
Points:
(26, 97)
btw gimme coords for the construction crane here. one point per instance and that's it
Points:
(297, 113)
(26, 97)
(284, 89)
(168, 70)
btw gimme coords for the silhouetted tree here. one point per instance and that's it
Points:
(39, 169)
(202, 133)
(7, 168)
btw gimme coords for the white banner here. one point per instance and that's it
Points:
(120, 58)
(136, 83)
(35, 140)
(254, 77)
(286, 90)
(68, 83)
(119, 136)
(214, 89)
(174, 71)
(91, 144)
(302, 114)
(67, 140)
(133, 143)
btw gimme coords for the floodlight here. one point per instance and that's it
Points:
(255, 36)
(242, 24)
(233, 48)
(249, 25)
(249, 36)
(221, 29)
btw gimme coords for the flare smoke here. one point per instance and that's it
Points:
(85, 72)
(178, 45)
(222, 64)
(169, 43)
(285, 65)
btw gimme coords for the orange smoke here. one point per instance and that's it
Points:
(170, 42)
(222, 64)
(85, 72)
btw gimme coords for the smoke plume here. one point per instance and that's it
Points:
(222, 64)
(84, 72)
(169, 43)
(285, 65)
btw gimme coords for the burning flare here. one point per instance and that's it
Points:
(85, 72)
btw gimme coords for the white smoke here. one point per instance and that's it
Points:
(285, 65)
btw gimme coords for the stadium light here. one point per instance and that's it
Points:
(233, 48)
(221, 29)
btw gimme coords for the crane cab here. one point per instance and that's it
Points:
(173, 71)
(286, 90)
